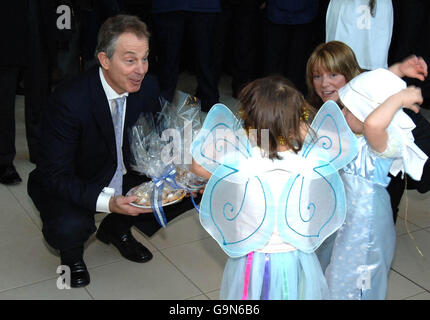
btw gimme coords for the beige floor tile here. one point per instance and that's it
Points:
(14, 222)
(24, 167)
(418, 208)
(24, 261)
(201, 261)
(200, 297)
(407, 260)
(400, 288)
(213, 295)
(156, 279)
(403, 225)
(97, 253)
(143, 239)
(45, 290)
(185, 228)
(100, 216)
(24, 200)
(422, 296)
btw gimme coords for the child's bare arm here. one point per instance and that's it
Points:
(412, 67)
(199, 170)
(378, 121)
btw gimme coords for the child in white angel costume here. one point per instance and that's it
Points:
(364, 246)
(274, 193)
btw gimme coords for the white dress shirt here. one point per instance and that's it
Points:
(102, 204)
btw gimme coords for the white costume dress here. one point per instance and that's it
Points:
(351, 22)
(364, 246)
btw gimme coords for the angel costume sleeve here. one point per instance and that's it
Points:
(243, 204)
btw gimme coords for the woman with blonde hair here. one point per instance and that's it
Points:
(330, 67)
(337, 62)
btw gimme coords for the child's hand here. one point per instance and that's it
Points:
(411, 98)
(414, 67)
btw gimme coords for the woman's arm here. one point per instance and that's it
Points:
(378, 121)
(412, 67)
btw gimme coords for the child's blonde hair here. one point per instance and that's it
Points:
(272, 103)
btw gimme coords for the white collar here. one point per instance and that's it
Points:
(111, 94)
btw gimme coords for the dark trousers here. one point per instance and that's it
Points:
(67, 226)
(411, 32)
(287, 48)
(169, 32)
(239, 32)
(36, 86)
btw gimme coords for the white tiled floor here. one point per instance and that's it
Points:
(187, 263)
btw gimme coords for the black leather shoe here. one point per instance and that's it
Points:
(79, 276)
(127, 245)
(8, 175)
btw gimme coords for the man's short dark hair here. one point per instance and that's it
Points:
(113, 27)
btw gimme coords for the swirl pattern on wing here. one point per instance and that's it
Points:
(313, 205)
(235, 211)
(221, 141)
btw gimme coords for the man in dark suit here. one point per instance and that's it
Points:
(85, 153)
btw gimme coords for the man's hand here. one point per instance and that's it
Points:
(121, 204)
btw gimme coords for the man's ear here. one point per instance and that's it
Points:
(104, 60)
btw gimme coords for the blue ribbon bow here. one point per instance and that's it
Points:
(168, 176)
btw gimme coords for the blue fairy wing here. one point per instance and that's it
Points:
(330, 139)
(236, 203)
(237, 211)
(311, 209)
(222, 140)
(312, 206)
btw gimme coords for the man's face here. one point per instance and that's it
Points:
(126, 69)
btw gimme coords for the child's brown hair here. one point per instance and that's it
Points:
(272, 103)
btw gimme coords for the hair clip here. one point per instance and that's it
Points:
(305, 114)
(282, 141)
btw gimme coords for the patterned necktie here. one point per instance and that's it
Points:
(117, 115)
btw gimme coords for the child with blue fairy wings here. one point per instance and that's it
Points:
(364, 246)
(274, 193)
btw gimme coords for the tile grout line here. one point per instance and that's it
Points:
(186, 277)
(409, 298)
(91, 296)
(419, 228)
(181, 244)
(25, 210)
(27, 285)
(418, 285)
(40, 281)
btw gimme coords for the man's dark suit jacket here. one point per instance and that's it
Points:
(78, 154)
